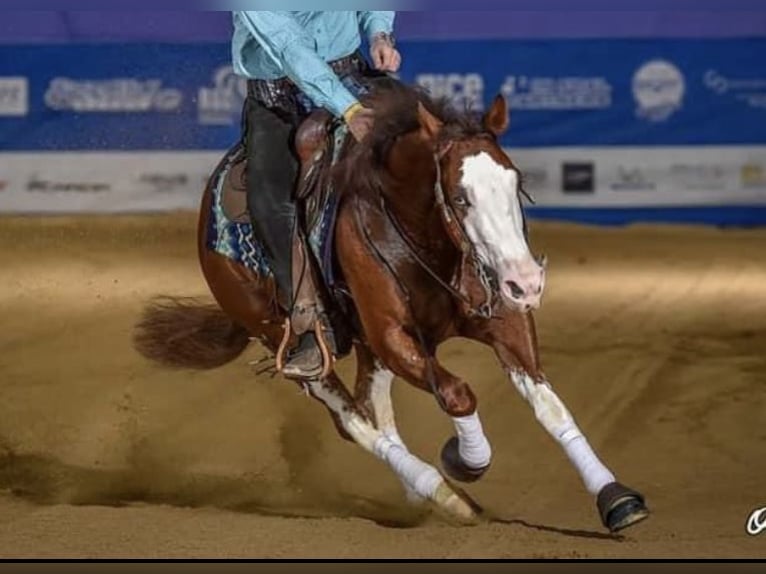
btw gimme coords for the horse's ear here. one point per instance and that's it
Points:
(497, 119)
(428, 122)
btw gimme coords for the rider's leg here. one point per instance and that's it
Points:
(272, 172)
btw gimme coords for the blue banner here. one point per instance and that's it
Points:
(619, 124)
(561, 93)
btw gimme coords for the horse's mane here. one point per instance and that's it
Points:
(396, 114)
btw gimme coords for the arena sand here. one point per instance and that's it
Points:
(655, 337)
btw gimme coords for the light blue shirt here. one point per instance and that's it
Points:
(270, 45)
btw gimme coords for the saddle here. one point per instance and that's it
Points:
(312, 142)
(312, 260)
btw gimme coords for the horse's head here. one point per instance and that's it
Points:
(478, 190)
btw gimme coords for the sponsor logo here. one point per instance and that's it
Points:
(578, 177)
(700, 177)
(554, 93)
(222, 103)
(756, 522)
(463, 90)
(39, 185)
(116, 95)
(749, 90)
(164, 182)
(658, 88)
(14, 97)
(535, 178)
(753, 175)
(715, 82)
(631, 179)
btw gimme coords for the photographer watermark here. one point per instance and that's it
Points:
(757, 522)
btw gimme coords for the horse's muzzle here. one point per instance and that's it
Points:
(522, 283)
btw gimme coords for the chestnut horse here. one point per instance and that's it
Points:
(431, 244)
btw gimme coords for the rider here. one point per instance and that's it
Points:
(296, 62)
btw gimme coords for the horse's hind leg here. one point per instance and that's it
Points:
(373, 393)
(423, 479)
(467, 456)
(248, 299)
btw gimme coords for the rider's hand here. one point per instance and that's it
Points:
(359, 120)
(385, 57)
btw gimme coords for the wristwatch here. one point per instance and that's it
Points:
(386, 37)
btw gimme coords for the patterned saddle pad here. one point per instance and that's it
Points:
(232, 235)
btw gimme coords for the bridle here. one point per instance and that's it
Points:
(458, 234)
(486, 276)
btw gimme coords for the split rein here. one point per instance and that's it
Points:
(459, 235)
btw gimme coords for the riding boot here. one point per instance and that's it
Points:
(316, 348)
(272, 172)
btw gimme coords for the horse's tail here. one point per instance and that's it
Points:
(185, 332)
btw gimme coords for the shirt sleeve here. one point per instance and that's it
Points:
(376, 22)
(286, 42)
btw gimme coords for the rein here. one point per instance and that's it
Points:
(460, 236)
(411, 248)
(430, 374)
(467, 249)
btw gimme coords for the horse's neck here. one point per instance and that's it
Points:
(413, 209)
(411, 200)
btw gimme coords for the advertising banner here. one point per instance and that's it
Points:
(595, 123)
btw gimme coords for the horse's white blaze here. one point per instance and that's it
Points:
(558, 421)
(473, 446)
(495, 225)
(494, 220)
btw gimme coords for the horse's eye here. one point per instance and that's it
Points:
(461, 201)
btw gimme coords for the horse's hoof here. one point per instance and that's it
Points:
(455, 467)
(456, 506)
(620, 506)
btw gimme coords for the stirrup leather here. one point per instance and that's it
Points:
(328, 359)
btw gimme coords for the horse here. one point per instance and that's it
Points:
(431, 243)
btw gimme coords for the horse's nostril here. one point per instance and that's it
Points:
(516, 291)
(539, 290)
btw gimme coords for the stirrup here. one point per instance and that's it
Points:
(328, 360)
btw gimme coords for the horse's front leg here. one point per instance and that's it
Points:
(369, 421)
(467, 456)
(514, 340)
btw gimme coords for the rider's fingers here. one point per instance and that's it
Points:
(378, 57)
(396, 61)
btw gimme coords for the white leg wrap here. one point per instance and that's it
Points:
(558, 421)
(380, 397)
(421, 477)
(473, 445)
(594, 474)
(393, 435)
